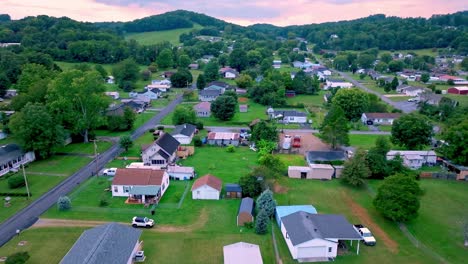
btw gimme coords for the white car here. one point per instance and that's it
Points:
(412, 100)
(142, 222)
(369, 239)
(110, 172)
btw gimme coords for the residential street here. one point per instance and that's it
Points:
(29, 215)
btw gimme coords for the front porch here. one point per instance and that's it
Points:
(144, 195)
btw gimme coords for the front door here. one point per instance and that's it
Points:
(303, 175)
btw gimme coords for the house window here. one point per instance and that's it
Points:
(158, 162)
(126, 189)
(116, 189)
(329, 249)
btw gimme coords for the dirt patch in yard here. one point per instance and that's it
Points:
(243, 100)
(277, 188)
(366, 220)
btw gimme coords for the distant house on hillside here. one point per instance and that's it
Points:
(229, 73)
(113, 95)
(379, 118)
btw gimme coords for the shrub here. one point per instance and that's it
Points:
(197, 142)
(16, 182)
(437, 91)
(103, 202)
(152, 130)
(249, 225)
(18, 258)
(160, 128)
(230, 149)
(199, 125)
(64, 203)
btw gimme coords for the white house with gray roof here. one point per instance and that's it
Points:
(12, 156)
(314, 237)
(288, 116)
(105, 244)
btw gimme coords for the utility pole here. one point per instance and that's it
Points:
(26, 182)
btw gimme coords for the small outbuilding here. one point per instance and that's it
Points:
(180, 173)
(313, 171)
(242, 253)
(233, 190)
(246, 211)
(207, 187)
(462, 90)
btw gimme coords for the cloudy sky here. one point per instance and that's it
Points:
(280, 12)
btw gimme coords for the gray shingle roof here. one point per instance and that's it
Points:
(247, 205)
(209, 92)
(325, 155)
(168, 143)
(105, 244)
(9, 152)
(185, 129)
(286, 113)
(303, 227)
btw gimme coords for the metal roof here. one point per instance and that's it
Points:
(145, 190)
(325, 156)
(282, 211)
(242, 253)
(246, 206)
(232, 187)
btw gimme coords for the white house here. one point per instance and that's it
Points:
(180, 173)
(162, 152)
(277, 64)
(410, 90)
(207, 187)
(140, 185)
(314, 237)
(162, 85)
(288, 116)
(414, 159)
(152, 94)
(184, 133)
(113, 95)
(379, 118)
(333, 83)
(229, 73)
(12, 157)
(242, 253)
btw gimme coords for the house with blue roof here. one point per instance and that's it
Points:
(282, 211)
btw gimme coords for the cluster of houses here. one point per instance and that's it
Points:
(322, 72)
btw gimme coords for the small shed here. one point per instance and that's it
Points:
(322, 171)
(338, 170)
(233, 190)
(207, 187)
(246, 210)
(243, 108)
(299, 172)
(285, 210)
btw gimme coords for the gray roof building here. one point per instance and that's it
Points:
(185, 129)
(303, 227)
(105, 244)
(168, 145)
(322, 156)
(9, 152)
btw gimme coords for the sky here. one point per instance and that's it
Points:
(280, 12)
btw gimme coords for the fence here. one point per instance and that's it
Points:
(438, 175)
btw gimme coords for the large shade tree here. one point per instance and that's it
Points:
(412, 131)
(77, 100)
(354, 102)
(334, 129)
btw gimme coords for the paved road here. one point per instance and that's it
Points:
(406, 107)
(28, 215)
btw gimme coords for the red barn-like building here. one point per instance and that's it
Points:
(462, 90)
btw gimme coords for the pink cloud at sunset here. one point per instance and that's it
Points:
(239, 12)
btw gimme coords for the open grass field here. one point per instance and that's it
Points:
(461, 99)
(150, 38)
(364, 141)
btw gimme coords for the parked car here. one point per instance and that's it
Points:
(412, 100)
(142, 222)
(110, 172)
(297, 141)
(287, 142)
(369, 239)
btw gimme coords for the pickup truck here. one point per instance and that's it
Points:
(366, 235)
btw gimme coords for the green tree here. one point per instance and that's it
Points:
(377, 158)
(261, 223)
(264, 131)
(464, 64)
(251, 186)
(353, 101)
(244, 81)
(125, 72)
(224, 107)
(223, 60)
(238, 59)
(125, 142)
(231, 93)
(165, 59)
(412, 131)
(266, 202)
(394, 84)
(184, 61)
(398, 198)
(254, 57)
(356, 169)
(211, 71)
(182, 78)
(396, 66)
(425, 77)
(365, 61)
(101, 70)
(184, 115)
(456, 139)
(334, 129)
(381, 66)
(64, 203)
(201, 82)
(386, 57)
(36, 130)
(341, 63)
(77, 100)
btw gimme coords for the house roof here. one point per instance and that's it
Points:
(325, 155)
(206, 106)
(411, 152)
(232, 187)
(180, 169)
(219, 83)
(185, 129)
(9, 152)
(104, 244)
(223, 135)
(336, 80)
(242, 252)
(383, 115)
(286, 113)
(243, 107)
(321, 166)
(282, 211)
(302, 227)
(246, 206)
(209, 180)
(135, 176)
(214, 87)
(299, 168)
(168, 143)
(460, 88)
(209, 92)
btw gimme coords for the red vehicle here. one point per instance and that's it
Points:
(297, 142)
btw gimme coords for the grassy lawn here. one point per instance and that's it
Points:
(441, 216)
(85, 148)
(292, 160)
(400, 98)
(385, 128)
(65, 165)
(364, 141)
(149, 38)
(461, 99)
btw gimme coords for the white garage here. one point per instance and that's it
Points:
(306, 252)
(207, 187)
